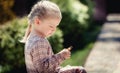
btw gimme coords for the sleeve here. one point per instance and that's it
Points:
(40, 59)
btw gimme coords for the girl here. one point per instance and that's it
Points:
(43, 19)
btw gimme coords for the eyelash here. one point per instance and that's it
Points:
(51, 27)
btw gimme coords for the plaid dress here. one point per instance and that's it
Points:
(39, 57)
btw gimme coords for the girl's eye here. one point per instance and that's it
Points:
(51, 26)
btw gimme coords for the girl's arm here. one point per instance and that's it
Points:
(42, 61)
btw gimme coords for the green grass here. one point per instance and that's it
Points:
(79, 57)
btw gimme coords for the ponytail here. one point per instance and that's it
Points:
(28, 30)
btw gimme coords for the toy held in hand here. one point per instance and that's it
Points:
(70, 48)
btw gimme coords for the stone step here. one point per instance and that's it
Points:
(104, 57)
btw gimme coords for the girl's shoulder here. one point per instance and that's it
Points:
(35, 38)
(34, 41)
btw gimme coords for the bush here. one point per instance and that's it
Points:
(76, 20)
(12, 51)
(56, 41)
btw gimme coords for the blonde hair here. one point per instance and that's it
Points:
(42, 9)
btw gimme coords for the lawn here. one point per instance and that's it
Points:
(79, 57)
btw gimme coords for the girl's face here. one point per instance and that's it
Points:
(48, 26)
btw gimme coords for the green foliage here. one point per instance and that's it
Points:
(12, 51)
(90, 4)
(75, 9)
(76, 20)
(5, 10)
(56, 41)
(78, 58)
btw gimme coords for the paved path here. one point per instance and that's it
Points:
(105, 55)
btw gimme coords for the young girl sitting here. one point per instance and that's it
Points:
(43, 19)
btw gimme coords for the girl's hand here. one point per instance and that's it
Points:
(66, 53)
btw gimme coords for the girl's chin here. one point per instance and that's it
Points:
(48, 35)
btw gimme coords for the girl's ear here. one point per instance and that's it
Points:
(37, 21)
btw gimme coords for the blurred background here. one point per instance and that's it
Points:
(80, 26)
